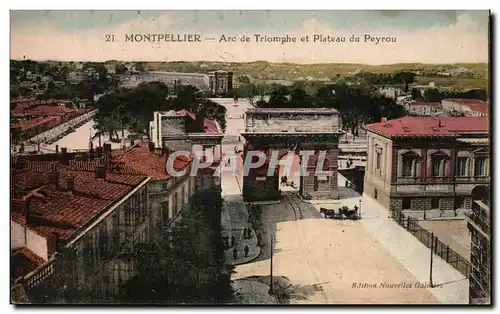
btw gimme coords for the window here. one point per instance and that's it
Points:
(165, 206)
(409, 165)
(378, 159)
(437, 164)
(434, 203)
(164, 186)
(406, 203)
(480, 166)
(462, 165)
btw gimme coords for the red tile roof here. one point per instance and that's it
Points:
(422, 104)
(472, 104)
(23, 125)
(23, 261)
(43, 110)
(54, 209)
(430, 126)
(153, 164)
(209, 125)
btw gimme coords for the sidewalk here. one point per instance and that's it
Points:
(411, 253)
(234, 219)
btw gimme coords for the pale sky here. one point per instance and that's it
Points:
(421, 36)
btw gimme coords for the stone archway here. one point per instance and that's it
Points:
(298, 131)
(481, 193)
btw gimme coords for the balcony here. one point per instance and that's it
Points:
(423, 188)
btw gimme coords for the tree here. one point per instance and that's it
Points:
(405, 77)
(120, 68)
(187, 268)
(416, 94)
(432, 95)
(139, 67)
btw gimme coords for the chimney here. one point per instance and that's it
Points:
(100, 172)
(54, 176)
(151, 146)
(70, 183)
(64, 156)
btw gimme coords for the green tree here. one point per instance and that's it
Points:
(405, 77)
(120, 68)
(432, 95)
(189, 267)
(416, 94)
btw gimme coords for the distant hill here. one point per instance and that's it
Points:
(476, 77)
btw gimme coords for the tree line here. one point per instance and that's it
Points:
(435, 95)
(132, 109)
(357, 104)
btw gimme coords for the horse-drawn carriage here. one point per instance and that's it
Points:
(343, 213)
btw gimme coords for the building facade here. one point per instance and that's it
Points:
(80, 219)
(220, 82)
(468, 107)
(479, 222)
(425, 108)
(428, 167)
(292, 131)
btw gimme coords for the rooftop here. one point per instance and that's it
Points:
(472, 104)
(210, 126)
(42, 110)
(430, 126)
(42, 199)
(422, 104)
(151, 163)
(26, 124)
(465, 101)
(311, 111)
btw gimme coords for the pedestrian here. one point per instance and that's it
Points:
(235, 253)
(259, 239)
(249, 233)
(245, 233)
(246, 250)
(232, 240)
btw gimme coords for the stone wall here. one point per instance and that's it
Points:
(291, 123)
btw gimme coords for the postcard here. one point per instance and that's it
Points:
(250, 157)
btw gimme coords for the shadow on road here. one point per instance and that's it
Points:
(285, 291)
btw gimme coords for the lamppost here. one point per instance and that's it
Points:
(271, 290)
(359, 208)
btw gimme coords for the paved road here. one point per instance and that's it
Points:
(412, 253)
(234, 220)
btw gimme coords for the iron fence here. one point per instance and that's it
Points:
(442, 250)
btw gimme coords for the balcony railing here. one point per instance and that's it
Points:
(38, 275)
